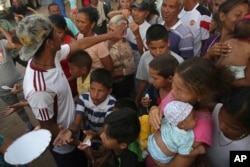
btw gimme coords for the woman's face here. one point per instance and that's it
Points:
(181, 92)
(83, 23)
(230, 19)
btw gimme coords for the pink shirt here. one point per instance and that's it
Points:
(204, 125)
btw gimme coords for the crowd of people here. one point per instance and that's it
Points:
(140, 85)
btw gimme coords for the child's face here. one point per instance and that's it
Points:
(76, 71)
(159, 81)
(61, 33)
(125, 4)
(98, 92)
(157, 48)
(107, 141)
(189, 122)
(54, 10)
(181, 92)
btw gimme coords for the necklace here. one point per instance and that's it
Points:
(239, 138)
(44, 65)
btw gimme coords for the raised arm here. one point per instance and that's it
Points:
(90, 41)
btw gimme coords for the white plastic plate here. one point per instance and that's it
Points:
(27, 147)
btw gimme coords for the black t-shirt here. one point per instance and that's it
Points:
(128, 159)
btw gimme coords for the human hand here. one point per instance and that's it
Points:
(134, 28)
(12, 108)
(202, 161)
(7, 111)
(155, 117)
(120, 31)
(63, 137)
(86, 141)
(146, 101)
(219, 49)
(17, 88)
(126, 13)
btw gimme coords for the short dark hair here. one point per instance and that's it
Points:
(59, 22)
(91, 12)
(242, 29)
(164, 64)
(156, 32)
(123, 125)
(102, 76)
(80, 58)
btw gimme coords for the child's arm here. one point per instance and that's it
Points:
(125, 12)
(12, 108)
(200, 149)
(32, 10)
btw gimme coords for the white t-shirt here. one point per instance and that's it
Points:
(49, 95)
(219, 152)
(197, 20)
(143, 68)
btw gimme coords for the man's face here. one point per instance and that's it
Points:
(138, 15)
(54, 10)
(170, 10)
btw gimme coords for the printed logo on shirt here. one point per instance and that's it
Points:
(192, 22)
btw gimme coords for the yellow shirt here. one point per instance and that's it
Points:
(83, 87)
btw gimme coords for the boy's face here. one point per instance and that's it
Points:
(157, 48)
(108, 142)
(75, 71)
(159, 81)
(54, 10)
(98, 92)
(111, 143)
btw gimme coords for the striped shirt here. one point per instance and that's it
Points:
(94, 114)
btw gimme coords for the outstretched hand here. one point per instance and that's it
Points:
(8, 111)
(63, 137)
